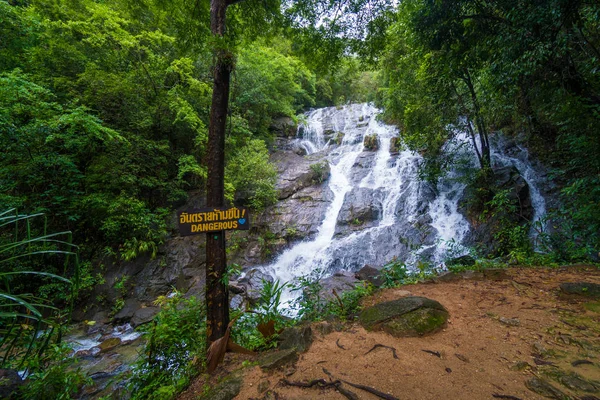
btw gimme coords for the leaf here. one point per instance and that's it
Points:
(267, 329)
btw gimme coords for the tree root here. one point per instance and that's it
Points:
(384, 346)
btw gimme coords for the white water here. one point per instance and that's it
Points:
(415, 222)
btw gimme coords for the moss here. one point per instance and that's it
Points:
(417, 323)
(371, 142)
(409, 316)
(593, 306)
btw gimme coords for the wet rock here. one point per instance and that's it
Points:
(298, 337)
(509, 321)
(284, 127)
(109, 344)
(129, 309)
(370, 274)
(360, 210)
(408, 316)
(236, 302)
(278, 359)
(545, 389)
(466, 261)
(395, 145)
(144, 315)
(586, 289)
(371, 142)
(576, 382)
(10, 382)
(253, 282)
(296, 172)
(341, 281)
(226, 390)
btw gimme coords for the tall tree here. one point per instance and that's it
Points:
(317, 19)
(217, 295)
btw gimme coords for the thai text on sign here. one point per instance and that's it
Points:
(214, 219)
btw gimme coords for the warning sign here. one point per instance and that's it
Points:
(214, 219)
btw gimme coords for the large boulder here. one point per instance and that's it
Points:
(341, 282)
(408, 316)
(585, 289)
(253, 283)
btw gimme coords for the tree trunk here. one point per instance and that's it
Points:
(217, 294)
(481, 127)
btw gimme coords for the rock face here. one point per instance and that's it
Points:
(341, 282)
(505, 179)
(408, 316)
(296, 172)
(360, 210)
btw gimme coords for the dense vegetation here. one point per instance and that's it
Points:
(528, 69)
(104, 109)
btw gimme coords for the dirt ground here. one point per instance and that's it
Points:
(500, 334)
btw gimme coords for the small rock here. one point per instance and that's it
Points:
(324, 328)
(520, 366)
(539, 348)
(370, 274)
(510, 321)
(109, 344)
(545, 389)
(263, 386)
(461, 357)
(299, 338)
(226, 390)
(576, 382)
(278, 359)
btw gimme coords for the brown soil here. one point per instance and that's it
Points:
(480, 356)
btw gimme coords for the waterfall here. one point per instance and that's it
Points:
(414, 220)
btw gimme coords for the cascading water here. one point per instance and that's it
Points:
(401, 216)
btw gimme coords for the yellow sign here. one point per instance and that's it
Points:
(213, 219)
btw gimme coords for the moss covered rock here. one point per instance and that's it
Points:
(371, 142)
(409, 316)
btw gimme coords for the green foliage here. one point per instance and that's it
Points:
(176, 343)
(251, 175)
(527, 69)
(54, 376)
(36, 302)
(320, 171)
(245, 332)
